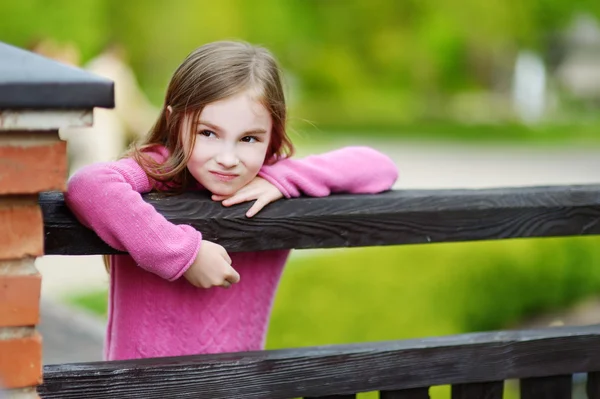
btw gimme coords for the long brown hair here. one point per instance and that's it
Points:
(210, 73)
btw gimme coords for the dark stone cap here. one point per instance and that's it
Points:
(30, 81)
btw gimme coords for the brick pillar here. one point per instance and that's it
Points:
(30, 162)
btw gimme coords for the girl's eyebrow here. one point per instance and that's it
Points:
(218, 129)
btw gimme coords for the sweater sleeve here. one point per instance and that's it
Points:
(106, 197)
(356, 170)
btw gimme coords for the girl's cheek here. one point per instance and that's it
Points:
(255, 155)
(203, 151)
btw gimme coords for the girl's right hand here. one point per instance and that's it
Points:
(212, 267)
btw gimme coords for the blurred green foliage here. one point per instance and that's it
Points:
(349, 63)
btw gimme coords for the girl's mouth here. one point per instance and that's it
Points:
(224, 176)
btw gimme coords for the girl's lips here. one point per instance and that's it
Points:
(224, 176)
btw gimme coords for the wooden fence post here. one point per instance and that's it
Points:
(37, 97)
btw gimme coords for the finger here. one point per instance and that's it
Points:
(241, 196)
(206, 284)
(258, 205)
(216, 197)
(233, 277)
(226, 284)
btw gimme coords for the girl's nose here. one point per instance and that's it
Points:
(227, 159)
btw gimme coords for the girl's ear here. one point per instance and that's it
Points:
(168, 112)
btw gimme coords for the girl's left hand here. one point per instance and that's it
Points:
(258, 189)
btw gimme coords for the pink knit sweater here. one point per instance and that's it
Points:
(153, 310)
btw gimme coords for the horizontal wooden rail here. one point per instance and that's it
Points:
(395, 217)
(400, 369)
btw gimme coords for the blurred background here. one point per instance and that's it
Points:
(460, 93)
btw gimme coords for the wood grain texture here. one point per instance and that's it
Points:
(335, 370)
(395, 217)
(484, 390)
(553, 387)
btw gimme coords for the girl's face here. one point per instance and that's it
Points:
(232, 139)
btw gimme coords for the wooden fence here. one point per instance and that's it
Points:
(476, 365)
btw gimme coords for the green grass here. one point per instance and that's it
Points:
(94, 302)
(386, 293)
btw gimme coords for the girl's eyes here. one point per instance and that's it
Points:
(250, 139)
(246, 139)
(207, 133)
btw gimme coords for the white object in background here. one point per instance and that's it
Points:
(529, 87)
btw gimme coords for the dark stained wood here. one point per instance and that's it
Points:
(330, 370)
(593, 385)
(395, 217)
(414, 393)
(555, 387)
(484, 390)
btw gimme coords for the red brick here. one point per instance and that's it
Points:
(20, 300)
(31, 162)
(21, 228)
(21, 361)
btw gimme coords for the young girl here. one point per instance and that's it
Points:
(221, 129)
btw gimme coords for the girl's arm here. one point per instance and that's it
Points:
(358, 170)
(106, 197)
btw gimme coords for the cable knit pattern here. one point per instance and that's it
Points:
(152, 311)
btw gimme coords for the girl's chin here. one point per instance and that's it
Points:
(223, 188)
(222, 191)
